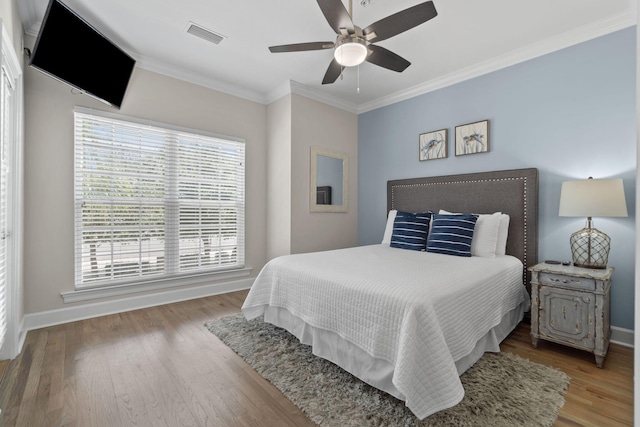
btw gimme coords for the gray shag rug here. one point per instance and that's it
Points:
(501, 389)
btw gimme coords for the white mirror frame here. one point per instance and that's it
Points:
(313, 206)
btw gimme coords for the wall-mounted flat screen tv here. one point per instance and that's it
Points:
(69, 49)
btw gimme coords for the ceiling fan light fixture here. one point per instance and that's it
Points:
(351, 52)
(355, 44)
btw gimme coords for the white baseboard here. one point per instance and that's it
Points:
(86, 311)
(622, 336)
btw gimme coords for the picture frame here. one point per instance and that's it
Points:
(472, 138)
(433, 145)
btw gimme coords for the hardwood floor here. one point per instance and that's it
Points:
(161, 367)
(4, 364)
(596, 397)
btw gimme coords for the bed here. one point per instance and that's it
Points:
(410, 322)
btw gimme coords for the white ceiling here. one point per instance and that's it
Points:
(466, 39)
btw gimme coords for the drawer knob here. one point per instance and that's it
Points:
(565, 280)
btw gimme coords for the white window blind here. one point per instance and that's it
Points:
(6, 120)
(153, 201)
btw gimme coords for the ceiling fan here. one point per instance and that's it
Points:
(354, 45)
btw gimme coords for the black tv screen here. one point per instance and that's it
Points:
(70, 49)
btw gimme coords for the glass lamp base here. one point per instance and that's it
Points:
(590, 248)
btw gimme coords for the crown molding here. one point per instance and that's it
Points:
(316, 95)
(552, 44)
(278, 92)
(182, 74)
(299, 89)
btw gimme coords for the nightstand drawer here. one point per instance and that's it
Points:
(567, 281)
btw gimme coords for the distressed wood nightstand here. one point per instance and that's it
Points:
(570, 305)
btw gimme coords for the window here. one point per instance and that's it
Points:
(153, 201)
(11, 146)
(6, 111)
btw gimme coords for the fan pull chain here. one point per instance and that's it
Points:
(358, 89)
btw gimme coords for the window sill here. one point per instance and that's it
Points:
(151, 285)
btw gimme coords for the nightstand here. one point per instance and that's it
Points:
(570, 305)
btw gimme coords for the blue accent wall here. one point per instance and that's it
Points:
(570, 113)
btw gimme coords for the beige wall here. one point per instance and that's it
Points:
(279, 178)
(316, 124)
(295, 124)
(48, 244)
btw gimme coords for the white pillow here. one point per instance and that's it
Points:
(485, 235)
(388, 231)
(503, 233)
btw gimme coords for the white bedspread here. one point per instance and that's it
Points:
(419, 311)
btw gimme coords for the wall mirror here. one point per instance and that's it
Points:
(329, 181)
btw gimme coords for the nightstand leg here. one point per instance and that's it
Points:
(534, 342)
(599, 361)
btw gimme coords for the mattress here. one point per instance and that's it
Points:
(412, 315)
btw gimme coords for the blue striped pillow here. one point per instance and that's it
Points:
(452, 234)
(410, 231)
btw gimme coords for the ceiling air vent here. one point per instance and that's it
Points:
(205, 34)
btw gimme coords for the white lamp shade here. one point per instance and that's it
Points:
(350, 54)
(593, 197)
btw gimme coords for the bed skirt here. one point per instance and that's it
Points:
(374, 371)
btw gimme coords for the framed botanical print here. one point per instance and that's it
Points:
(433, 145)
(472, 138)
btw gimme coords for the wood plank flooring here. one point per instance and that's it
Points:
(161, 367)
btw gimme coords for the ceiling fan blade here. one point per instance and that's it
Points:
(333, 72)
(386, 59)
(401, 21)
(336, 15)
(299, 47)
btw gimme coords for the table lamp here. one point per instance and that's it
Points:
(592, 197)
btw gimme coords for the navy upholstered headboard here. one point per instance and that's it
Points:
(514, 192)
